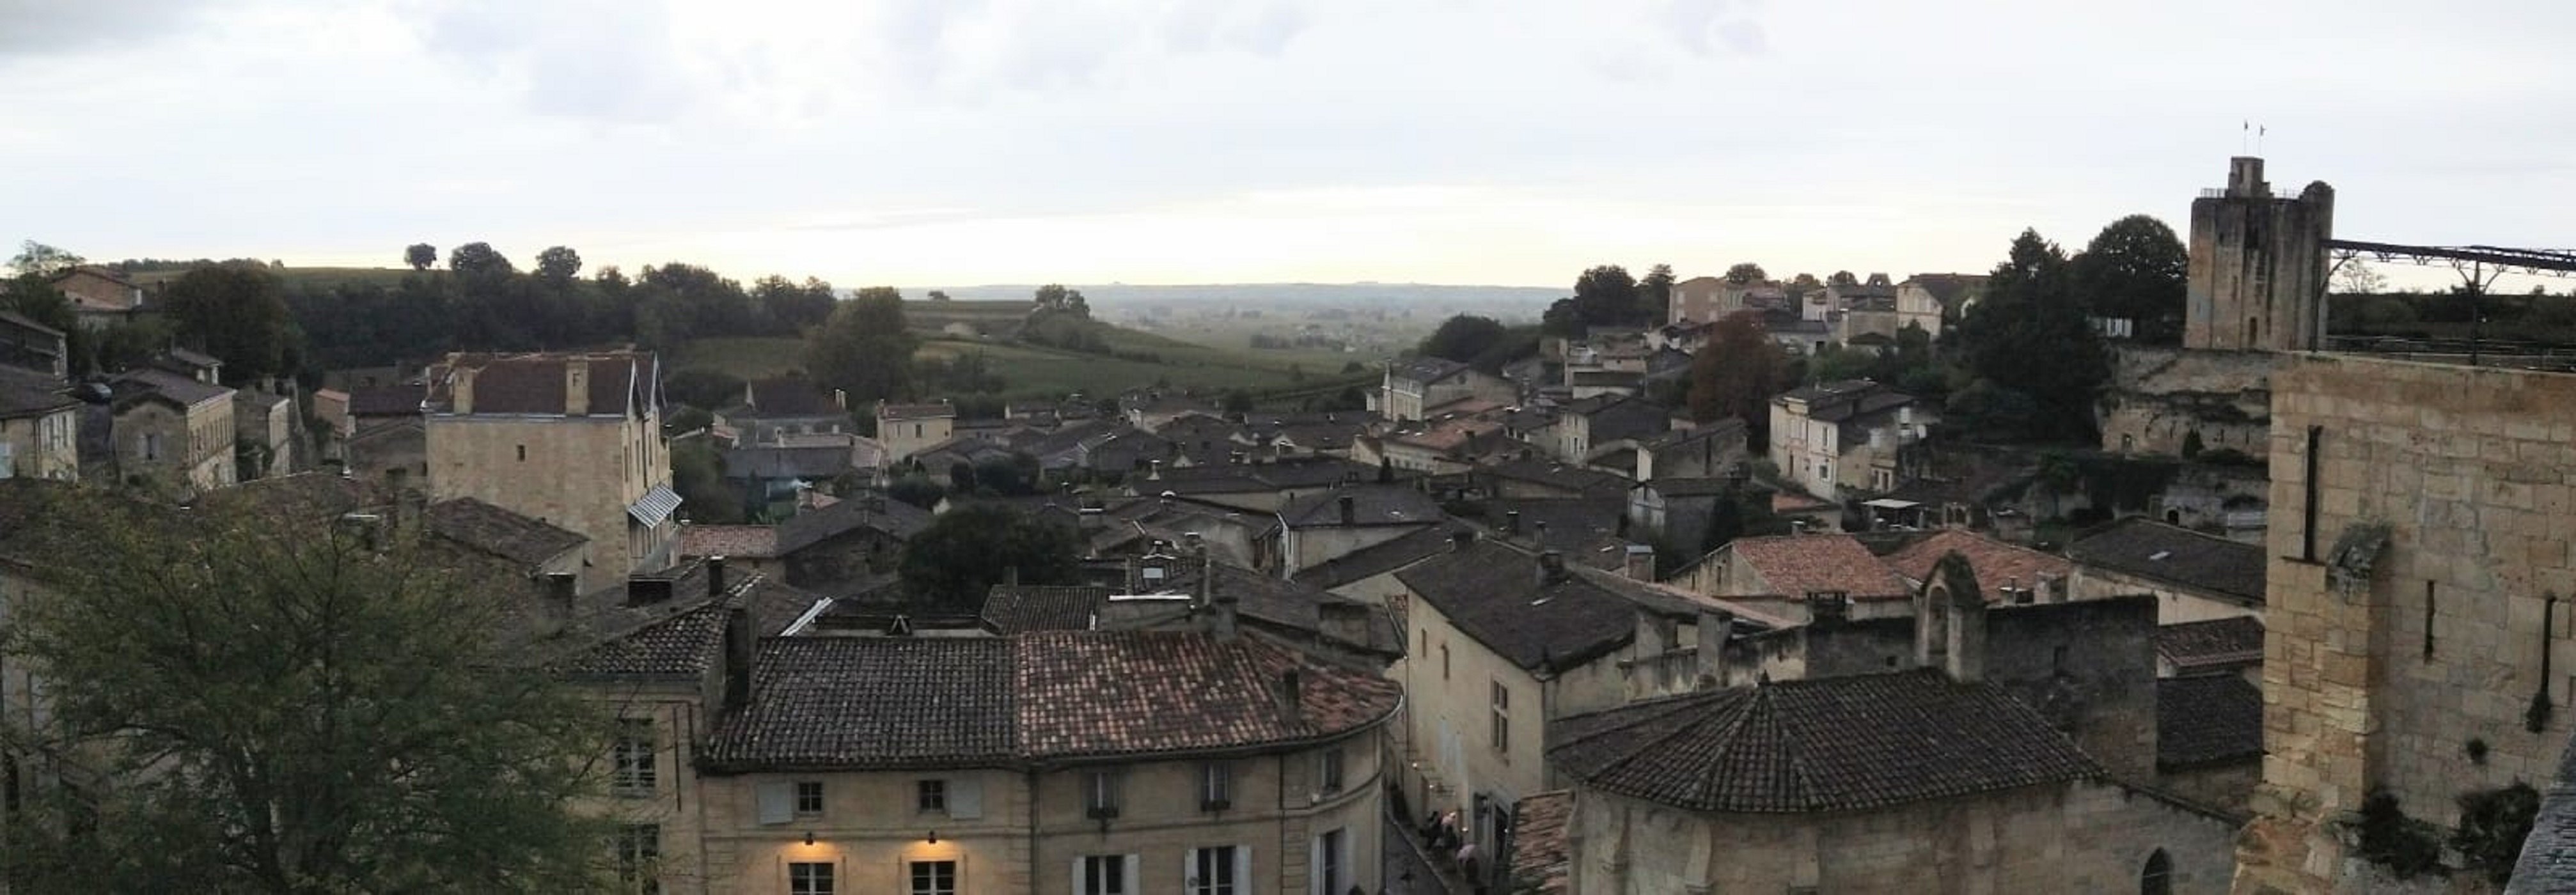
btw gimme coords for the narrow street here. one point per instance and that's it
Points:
(1406, 873)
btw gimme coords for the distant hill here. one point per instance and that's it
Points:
(1497, 298)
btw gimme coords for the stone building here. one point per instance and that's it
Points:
(39, 426)
(172, 429)
(2194, 576)
(28, 345)
(2257, 278)
(1837, 438)
(908, 429)
(1414, 388)
(571, 439)
(1787, 575)
(100, 296)
(1322, 526)
(2417, 599)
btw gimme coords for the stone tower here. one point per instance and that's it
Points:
(2258, 265)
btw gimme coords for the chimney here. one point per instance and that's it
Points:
(1640, 565)
(738, 644)
(1714, 629)
(1345, 621)
(1551, 568)
(1350, 510)
(1221, 604)
(715, 577)
(1292, 697)
(562, 590)
(1512, 523)
(1462, 539)
(460, 394)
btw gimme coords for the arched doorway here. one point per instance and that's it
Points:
(2157, 877)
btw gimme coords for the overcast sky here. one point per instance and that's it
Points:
(952, 142)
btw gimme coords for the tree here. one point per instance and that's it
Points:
(1462, 337)
(559, 264)
(42, 260)
(697, 474)
(916, 488)
(1746, 274)
(790, 307)
(1736, 373)
(2134, 269)
(1655, 294)
(2028, 336)
(1603, 296)
(421, 256)
(964, 552)
(937, 295)
(1015, 475)
(703, 388)
(284, 704)
(1054, 297)
(478, 258)
(34, 297)
(1237, 401)
(1843, 278)
(236, 312)
(1803, 284)
(864, 349)
(2354, 277)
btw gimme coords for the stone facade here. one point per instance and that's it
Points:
(908, 429)
(2258, 265)
(2160, 397)
(191, 445)
(568, 439)
(41, 444)
(2417, 598)
(2084, 836)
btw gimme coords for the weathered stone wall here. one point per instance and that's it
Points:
(2159, 396)
(2380, 668)
(2227, 786)
(2077, 837)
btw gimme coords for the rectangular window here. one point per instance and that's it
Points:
(1502, 719)
(523, 453)
(931, 795)
(1100, 794)
(809, 878)
(1105, 875)
(2308, 531)
(1328, 770)
(2428, 621)
(1332, 869)
(634, 757)
(809, 798)
(1212, 871)
(1216, 786)
(934, 878)
(639, 855)
(1444, 661)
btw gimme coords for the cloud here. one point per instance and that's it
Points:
(45, 27)
(1707, 28)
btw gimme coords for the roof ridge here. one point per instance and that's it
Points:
(1668, 708)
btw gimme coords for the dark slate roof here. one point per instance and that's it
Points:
(2208, 718)
(1021, 608)
(771, 462)
(29, 393)
(873, 511)
(1381, 558)
(2218, 643)
(942, 410)
(1496, 594)
(1831, 744)
(534, 383)
(1370, 505)
(1541, 857)
(2150, 549)
(874, 702)
(790, 396)
(609, 636)
(1426, 369)
(172, 385)
(1544, 471)
(1299, 607)
(1688, 487)
(1084, 693)
(499, 532)
(390, 400)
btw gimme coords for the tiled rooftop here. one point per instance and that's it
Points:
(1022, 608)
(500, 532)
(1496, 594)
(1996, 563)
(1540, 852)
(2208, 718)
(1832, 744)
(751, 541)
(1796, 565)
(2214, 644)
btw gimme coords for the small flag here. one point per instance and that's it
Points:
(2244, 125)
(2259, 131)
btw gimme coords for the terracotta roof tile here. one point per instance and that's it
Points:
(1022, 608)
(1540, 856)
(1116, 693)
(1796, 565)
(758, 541)
(2214, 644)
(1995, 562)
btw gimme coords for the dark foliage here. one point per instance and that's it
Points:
(966, 551)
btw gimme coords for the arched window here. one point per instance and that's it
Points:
(2157, 878)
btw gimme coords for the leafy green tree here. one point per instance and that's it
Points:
(966, 551)
(283, 704)
(703, 388)
(1747, 273)
(236, 312)
(937, 295)
(559, 264)
(2135, 268)
(2029, 335)
(793, 306)
(1461, 338)
(961, 477)
(421, 256)
(478, 258)
(1736, 373)
(916, 488)
(1237, 401)
(697, 473)
(1655, 294)
(1016, 475)
(1603, 296)
(863, 348)
(1803, 284)
(42, 260)
(1842, 278)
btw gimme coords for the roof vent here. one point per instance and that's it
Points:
(2159, 556)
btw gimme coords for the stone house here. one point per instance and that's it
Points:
(1535, 478)
(1593, 423)
(1502, 642)
(2011, 573)
(571, 439)
(1052, 762)
(388, 435)
(908, 429)
(1697, 300)
(1169, 590)
(2209, 739)
(2418, 572)
(1369, 573)
(1413, 388)
(2194, 576)
(172, 428)
(1708, 450)
(267, 432)
(39, 426)
(1679, 511)
(1790, 575)
(1345, 520)
(828, 548)
(2232, 645)
(100, 296)
(28, 345)
(1925, 299)
(1834, 439)
(531, 548)
(780, 406)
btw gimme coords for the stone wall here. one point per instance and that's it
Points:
(2159, 396)
(2381, 666)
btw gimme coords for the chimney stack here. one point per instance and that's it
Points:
(563, 589)
(460, 394)
(1551, 568)
(1512, 523)
(740, 639)
(715, 577)
(1350, 510)
(1292, 697)
(1640, 564)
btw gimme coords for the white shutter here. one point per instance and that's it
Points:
(1243, 870)
(777, 801)
(1189, 871)
(1081, 883)
(1135, 883)
(8, 460)
(1315, 881)
(966, 798)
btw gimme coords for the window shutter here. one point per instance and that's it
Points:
(1243, 870)
(965, 798)
(1135, 883)
(1190, 871)
(1315, 881)
(777, 801)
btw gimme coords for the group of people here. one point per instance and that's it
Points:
(1441, 832)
